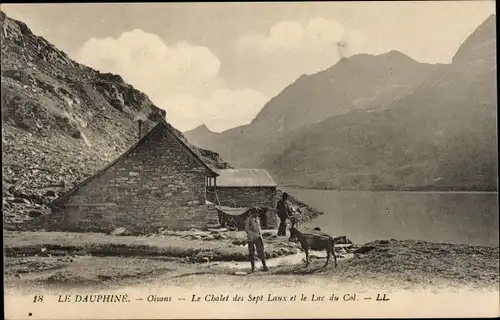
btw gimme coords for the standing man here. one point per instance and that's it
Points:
(283, 212)
(254, 239)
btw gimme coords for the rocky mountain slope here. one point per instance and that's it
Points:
(61, 121)
(415, 127)
(360, 82)
(441, 136)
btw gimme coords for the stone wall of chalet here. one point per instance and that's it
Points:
(159, 185)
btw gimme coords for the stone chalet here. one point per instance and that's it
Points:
(160, 182)
(239, 189)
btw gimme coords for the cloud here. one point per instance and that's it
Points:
(284, 35)
(219, 111)
(269, 61)
(351, 43)
(181, 78)
(317, 35)
(148, 63)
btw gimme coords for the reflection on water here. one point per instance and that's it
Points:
(363, 216)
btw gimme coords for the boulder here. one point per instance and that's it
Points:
(364, 249)
(120, 232)
(20, 200)
(50, 193)
(239, 242)
(35, 213)
(219, 237)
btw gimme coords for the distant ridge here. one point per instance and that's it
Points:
(380, 122)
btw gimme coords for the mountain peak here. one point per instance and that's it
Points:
(480, 42)
(363, 62)
(486, 27)
(201, 129)
(396, 53)
(491, 18)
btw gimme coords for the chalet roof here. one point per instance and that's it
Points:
(244, 178)
(159, 126)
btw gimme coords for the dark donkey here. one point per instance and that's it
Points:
(316, 241)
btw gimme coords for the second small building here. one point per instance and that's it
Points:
(246, 188)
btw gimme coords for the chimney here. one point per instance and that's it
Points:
(139, 122)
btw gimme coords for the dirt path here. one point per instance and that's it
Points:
(400, 264)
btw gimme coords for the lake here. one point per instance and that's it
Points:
(364, 216)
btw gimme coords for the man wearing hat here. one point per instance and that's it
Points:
(283, 211)
(254, 238)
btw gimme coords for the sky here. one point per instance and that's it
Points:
(219, 63)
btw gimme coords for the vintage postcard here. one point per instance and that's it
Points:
(250, 160)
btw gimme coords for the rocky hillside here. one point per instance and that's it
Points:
(360, 82)
(441, 136)
(61, 121)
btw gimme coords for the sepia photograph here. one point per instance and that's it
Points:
(250, 160)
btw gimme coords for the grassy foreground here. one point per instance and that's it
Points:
(77, 259)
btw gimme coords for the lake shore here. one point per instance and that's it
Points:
(395, 189)
(451, 217)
